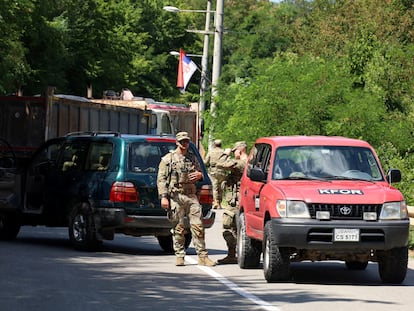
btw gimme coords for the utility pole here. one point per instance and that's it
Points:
(204, 70)
(218, 39)
(204, 59)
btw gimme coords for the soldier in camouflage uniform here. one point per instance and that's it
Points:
(232, 183)
(177, 174)
(217, 175)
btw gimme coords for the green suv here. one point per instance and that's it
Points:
(96, 184)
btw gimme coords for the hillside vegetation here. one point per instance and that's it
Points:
(322, 67)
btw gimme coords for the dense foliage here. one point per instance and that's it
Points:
(336, 68)
(324, 67)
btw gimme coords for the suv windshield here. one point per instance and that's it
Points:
(330, 162)
(146, 156)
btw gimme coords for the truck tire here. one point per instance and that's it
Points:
(248, 250)
(356, 265)
(166, 242)
(82, 231)
(392, 265)
(9, 227)
(276, 260)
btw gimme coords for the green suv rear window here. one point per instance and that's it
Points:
(144, 157)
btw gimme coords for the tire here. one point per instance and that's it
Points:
(276, 260)
(356, 265)
(248, 250)
(9, 227)
(166, 242)
(392, 265)
(82, 231)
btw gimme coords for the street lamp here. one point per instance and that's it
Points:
(218, 37)
(204, 58)
(175, 53)
(174, 9)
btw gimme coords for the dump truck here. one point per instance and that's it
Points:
(28, 121)
(183, 118)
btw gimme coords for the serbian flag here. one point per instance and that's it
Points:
(186, 68)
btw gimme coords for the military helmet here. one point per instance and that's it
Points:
(239, 144)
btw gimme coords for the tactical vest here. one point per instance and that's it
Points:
(180, 167)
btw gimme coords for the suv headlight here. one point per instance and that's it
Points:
(292, 209)
(394, 210)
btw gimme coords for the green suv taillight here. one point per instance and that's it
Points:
(123, 192)
(206, 194)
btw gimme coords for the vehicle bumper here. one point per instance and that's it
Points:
(313, 234)
(163, 222)
(110, 217)
(117, 217)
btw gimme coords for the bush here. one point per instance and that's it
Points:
(390, 158)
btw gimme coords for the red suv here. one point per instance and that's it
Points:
(321, 198)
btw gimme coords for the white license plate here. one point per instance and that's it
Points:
(346, 235)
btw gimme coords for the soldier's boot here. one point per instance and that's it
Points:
(179, 261)
(205, 261)
(229, 259)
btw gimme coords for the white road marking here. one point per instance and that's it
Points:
(261, 303)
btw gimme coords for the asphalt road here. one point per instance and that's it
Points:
(41, 271)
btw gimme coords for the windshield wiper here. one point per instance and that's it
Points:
(339, 177)
(304, 177)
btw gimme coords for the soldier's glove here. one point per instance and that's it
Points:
(227, 151)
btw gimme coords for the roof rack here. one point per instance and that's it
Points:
(94, 133)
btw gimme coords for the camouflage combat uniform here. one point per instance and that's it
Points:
(217, 175)
(173, 179)
(232, 186)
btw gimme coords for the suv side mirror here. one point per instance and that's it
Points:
(394, 175)
(257, 174)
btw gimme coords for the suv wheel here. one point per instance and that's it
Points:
(166, 242)
(82, 231)
(9, 227)
(392, 265)
(248, 250)
(276, 261)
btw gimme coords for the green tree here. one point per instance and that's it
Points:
(253, 30)
(108, 44)
(45, 38)
(14, 19)
(292, 95)
(128, 44)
